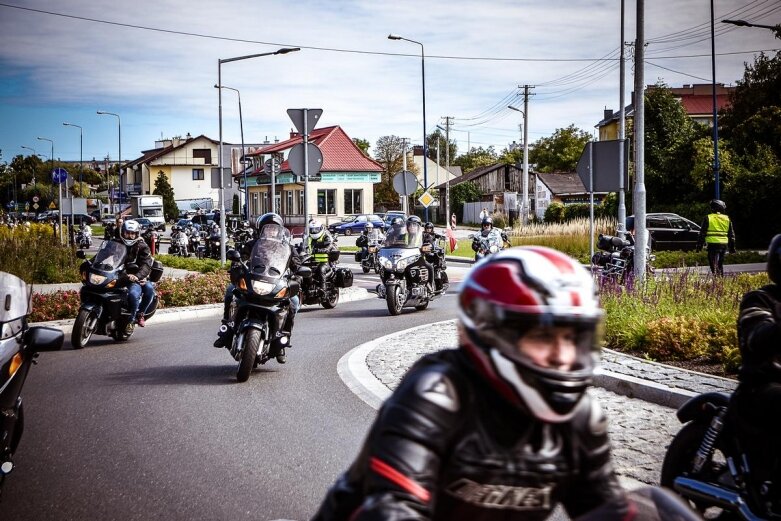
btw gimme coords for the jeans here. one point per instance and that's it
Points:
(716, 253)
(135, 300)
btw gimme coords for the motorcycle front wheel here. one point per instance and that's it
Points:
(393, 297)
(332, 300)
(365, 268)
(252, 340)
(83, 327)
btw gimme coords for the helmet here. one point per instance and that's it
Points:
(316, 229)
(518, 299)
(774, 259)
(487, 222)
(397, 223)
(414, 220)
(369, 227)
(717, 205)
(130, 232)
(268, 218)
(429, 227)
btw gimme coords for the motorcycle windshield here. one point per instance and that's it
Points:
(110, 256)
(404, 239)
(271, 253)
(374, 236)
(15, 304)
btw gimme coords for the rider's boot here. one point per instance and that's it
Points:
(224, 335)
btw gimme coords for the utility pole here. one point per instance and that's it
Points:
(641, 239)
(621, 136)
(404, 202)
(448, 120)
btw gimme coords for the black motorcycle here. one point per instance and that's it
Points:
(19, 347)
(261, 299)
(406, 281)
(323, 287)
(616, 260)
(180, 242)
(715, 462)
(368, 256)
(434, 253)
(213, 241)
(104, 304)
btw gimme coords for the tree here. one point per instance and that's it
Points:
(163, 187)
(467, 192)
(439, 137)
(363, 144)
(512, 155)
(476, 158)
(559, 152)
(388, 152)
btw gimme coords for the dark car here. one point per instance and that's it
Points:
(355, 224)
(144, 223)
(203, 219)
(389, 216)
(669, 231)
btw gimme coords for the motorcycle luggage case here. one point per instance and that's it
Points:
(344, 277)
(157, 271)
(358, 256)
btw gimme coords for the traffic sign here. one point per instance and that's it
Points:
(605, 176)
(270, 165)
(296, 159)
(59, 175)
(305, 127)
(36, 198)
(426, 199)
(52, 206)
(405, 183)
(26, 207)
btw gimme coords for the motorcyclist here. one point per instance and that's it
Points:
(225, 333)
(433, 258)
(367, 235)
(140, 290)
(488, 233)
(86, 233)
(758, 396)
(502, 427)
(320, 244)
(719, 235)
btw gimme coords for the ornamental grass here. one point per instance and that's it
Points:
(34, 254)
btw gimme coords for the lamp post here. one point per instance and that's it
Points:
(743, 23)
(425, 144)
(525, 198)
(36, 153)
(716, 164)
(119, 160)
(59, 185)
(244, 168)
(81, 151)
(283, 50)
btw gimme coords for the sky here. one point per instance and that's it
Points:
(155, 64)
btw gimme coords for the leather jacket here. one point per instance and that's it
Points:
(140, 255)
(759, 336)
(446, 446)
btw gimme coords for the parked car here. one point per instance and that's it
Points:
(668, 231)
(203, 219)
(144, 223)
(387, 217)
(355, 224)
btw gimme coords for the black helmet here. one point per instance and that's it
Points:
(717, 205)
(268, 218)
(774, 259)
(486, 226)
(429, 227)
(397, 223)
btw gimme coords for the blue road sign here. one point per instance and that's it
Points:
(59, 175)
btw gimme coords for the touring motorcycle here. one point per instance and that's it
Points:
(19, 347)
(323, 287)
(104, 306)
(617, 259)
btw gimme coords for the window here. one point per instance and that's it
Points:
(655, 221)
(203, 153)
(289, 202)
(679, 223)
(326, 202)
(352, 200)
(197, 174)
(301, 210)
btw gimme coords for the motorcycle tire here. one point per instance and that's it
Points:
(83, 327)
(119, 335)
(252, 340)
(680, 455)
(365, 268)
(392, 297)
(332, 300)
(377, 269)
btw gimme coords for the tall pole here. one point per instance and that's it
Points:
(119, 160)
(59, 187)
(621, 135)
(641, 239)
(716, 165)
(241, 161)
(447, 167)
(405, 200)
(525, 154)
(81, 166)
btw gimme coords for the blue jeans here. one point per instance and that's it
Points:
(135, 300)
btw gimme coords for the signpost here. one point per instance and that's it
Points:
(305, 121)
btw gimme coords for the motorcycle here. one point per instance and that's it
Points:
(104, 306)
(404, 274)
(488, 245)
(616, 260)
(714, 462)
(315, 290)
(242, 235)
(19, 348)
(213, 241)
(179, 242)
(84, 237)
(369, 258)
(434, 253)
(108, 231)
(261, 299)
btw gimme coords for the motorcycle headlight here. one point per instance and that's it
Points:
(494, 248)
(372, 249)
(96, 279)
(262, 288)
(386, 263)
(402, 265)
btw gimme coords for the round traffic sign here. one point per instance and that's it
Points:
(36, 198)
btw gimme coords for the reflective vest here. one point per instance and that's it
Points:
(319, 252)
(718, 228)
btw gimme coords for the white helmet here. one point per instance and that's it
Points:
(130, 232)
(316, 229)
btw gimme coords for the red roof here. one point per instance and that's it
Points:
(340, 154)
(695, 104)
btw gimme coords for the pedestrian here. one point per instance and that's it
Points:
(484, 213)
(453, 222)
(501, 427)
(717, 233)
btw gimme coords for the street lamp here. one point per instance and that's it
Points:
(59, 185)
(743, 23)
(36, 153)
(716, 165)
(81, 151)
(525, 198)
(244, 168)
(283, 50)
(425, 144)
(119, 161)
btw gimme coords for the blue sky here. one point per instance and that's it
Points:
(63, 61)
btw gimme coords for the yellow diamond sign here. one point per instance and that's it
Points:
(426, 199)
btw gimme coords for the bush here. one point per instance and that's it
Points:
(499, 220)
(190, 263)
(34, 254)
(554, 213)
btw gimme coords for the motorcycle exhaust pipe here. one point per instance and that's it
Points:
(715, 495)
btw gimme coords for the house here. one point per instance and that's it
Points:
(561, 188)
(344, 185)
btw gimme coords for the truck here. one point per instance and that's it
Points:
(150, 207)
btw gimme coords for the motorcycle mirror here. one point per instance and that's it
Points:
(80, 254)
(40, 339)
(304, 271)
(233, 256)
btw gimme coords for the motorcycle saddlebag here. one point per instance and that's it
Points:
(358, 256)
(157, 271)
(344, 277)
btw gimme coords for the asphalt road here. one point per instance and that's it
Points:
(158, 428)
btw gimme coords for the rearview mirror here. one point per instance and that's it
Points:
(80, 254)
(233, 256)
(39, 339)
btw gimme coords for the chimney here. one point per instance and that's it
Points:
(608, 113)
(293, 134)
(417, 150)
(266, 142)
(276, 139)
(189, 137)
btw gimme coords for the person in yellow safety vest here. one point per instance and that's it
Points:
(320, 243)
(717, 233)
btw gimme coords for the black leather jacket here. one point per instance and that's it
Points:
(759, 335)
(446, 446)
(140, 255)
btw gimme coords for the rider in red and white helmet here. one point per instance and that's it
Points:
(502, 427)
